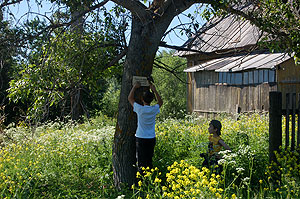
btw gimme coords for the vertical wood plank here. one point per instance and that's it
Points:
(275, 123)
(293, 121)
(287, 120)
(298, 133)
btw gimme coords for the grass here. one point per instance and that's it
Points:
(69, 160)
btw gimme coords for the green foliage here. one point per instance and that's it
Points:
(110, 100)
(9, 48)
(58, 160)
(280, 19)
(72, 160)
(71, 66)
(62, 69)
(171, 88)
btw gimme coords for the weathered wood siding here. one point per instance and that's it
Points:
(288, 78)
(218, 98)
(207, 96)
(231, 99)
(190, 90)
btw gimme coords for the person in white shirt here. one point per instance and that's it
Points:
(145, 133)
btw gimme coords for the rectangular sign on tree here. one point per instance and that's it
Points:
(143, 80)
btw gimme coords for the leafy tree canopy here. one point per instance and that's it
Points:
(65, 68)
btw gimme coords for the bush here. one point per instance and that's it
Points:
(111, 97)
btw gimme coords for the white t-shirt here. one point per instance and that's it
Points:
(146, 120)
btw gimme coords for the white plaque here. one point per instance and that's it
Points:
(143, 80)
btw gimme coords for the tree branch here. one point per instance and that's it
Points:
(116, 59)
(136, 8)
(89, 9)
(252, 20)
(162, 44)
(7, 3)
(163, 66)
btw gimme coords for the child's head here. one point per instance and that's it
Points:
(217, 126)
(148, 96)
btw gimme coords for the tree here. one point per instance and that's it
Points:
(148, 27)
(65, 75)
(9, 48)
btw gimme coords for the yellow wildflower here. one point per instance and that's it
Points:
(140, 183)
(157, 180)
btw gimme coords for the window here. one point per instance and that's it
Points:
(271, 75)
(238, 77)
(225, 77)
(206, 78)
(251, 81)
(229, 78)
(246, 78)
(221, 80)
(266, 76)
(198, 79)
(256, 77)
(243, 78)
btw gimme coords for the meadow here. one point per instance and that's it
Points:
(71, 160)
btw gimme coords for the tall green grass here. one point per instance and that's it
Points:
(69, 160)
(57, 160)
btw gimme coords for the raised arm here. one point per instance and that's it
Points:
(131, 94)
(159, 100)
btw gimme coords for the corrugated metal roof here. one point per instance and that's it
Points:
(242, 62)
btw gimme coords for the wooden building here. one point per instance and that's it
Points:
(228, 73)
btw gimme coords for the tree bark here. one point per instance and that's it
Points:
(146, 33)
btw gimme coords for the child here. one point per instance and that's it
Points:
(215, 144)
(145, 133)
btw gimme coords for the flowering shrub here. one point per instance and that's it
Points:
(148, 184)
(187, 181)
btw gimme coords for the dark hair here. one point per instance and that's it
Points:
(217, 125)
(148, 96)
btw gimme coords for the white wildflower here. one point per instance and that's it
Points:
(222, 161)
(246, 179)
(121, 197)
(240, 170)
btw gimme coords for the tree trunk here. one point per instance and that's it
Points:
(139, 61)
(76, 109)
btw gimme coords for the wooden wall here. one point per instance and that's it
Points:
(218, 98)
(190, 91)
(288, 79)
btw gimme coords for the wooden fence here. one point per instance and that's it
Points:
(276, 111)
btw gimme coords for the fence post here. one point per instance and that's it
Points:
(298, 133)
(287, 120)
(293, 141)
(275, 123)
